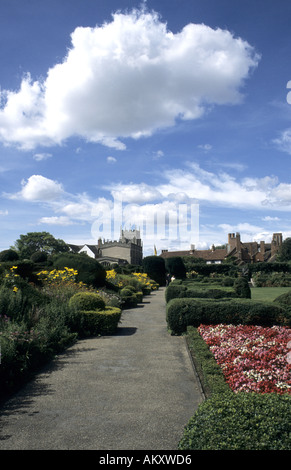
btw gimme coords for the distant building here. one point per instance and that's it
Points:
(249, 252)
(127, 250)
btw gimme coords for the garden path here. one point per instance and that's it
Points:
(135, 390)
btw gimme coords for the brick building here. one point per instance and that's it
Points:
(242, 252)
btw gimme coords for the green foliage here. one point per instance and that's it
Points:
(85, 301)
(155, 268)
(175, 291)
(242, 421)
(8, 255)
(273, 279)
(284, 253)
(130, 297)
(39, 257)
(175, 267)
(242, 288)
(182, 313)
(89, 270)
(99, 322)
(210, 373)
(284, 299)
(33, 242)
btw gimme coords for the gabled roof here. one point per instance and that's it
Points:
(207, 255)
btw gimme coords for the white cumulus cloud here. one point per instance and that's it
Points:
(127, 78)
(39, 188)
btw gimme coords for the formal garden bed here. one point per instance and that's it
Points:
(241, 348)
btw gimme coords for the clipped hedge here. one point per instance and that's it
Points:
(240, 421)
(99, 322)
(175, 291)
(185, 312)
(86, 301)
(210, 373)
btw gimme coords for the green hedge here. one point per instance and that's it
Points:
(210, 373)
(99, 322)
(240, 421)
(175, 291)
(192, 312)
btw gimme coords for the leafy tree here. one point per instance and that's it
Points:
(34, 242)
(284, 253)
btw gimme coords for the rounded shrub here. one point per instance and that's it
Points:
(89, 270)
(85, 301)
(8, 255)
(39, 257)
(129, 298)
(241, 421)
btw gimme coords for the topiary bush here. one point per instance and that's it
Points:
(175, 267)
(99, 322)
(240, 421)
(155, 268)
(89, 270)
(85, 301)
(242, 288)
(8, 255)
(129, 298)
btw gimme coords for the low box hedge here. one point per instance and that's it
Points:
(99, 322)
(181, 291)
(185, 312)
(240, 421)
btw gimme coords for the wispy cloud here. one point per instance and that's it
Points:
(41, 156)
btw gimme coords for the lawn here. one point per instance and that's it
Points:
(268, 293)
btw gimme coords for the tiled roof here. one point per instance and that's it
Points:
(208, 255)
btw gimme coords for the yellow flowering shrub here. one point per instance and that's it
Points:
(10, 278)
(58, 275)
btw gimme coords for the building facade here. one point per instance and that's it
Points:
(127, 250)
(247, 252)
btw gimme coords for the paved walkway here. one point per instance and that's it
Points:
(135, 390)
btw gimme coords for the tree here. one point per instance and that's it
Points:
(34, 242)
(284, 253)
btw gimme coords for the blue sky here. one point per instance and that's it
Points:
(168, 115)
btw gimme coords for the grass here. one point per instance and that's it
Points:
(268, 293)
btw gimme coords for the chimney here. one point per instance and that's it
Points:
(262, 248)
(238, 245)
(231, 242)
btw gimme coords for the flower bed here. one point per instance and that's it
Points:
(252, 358)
